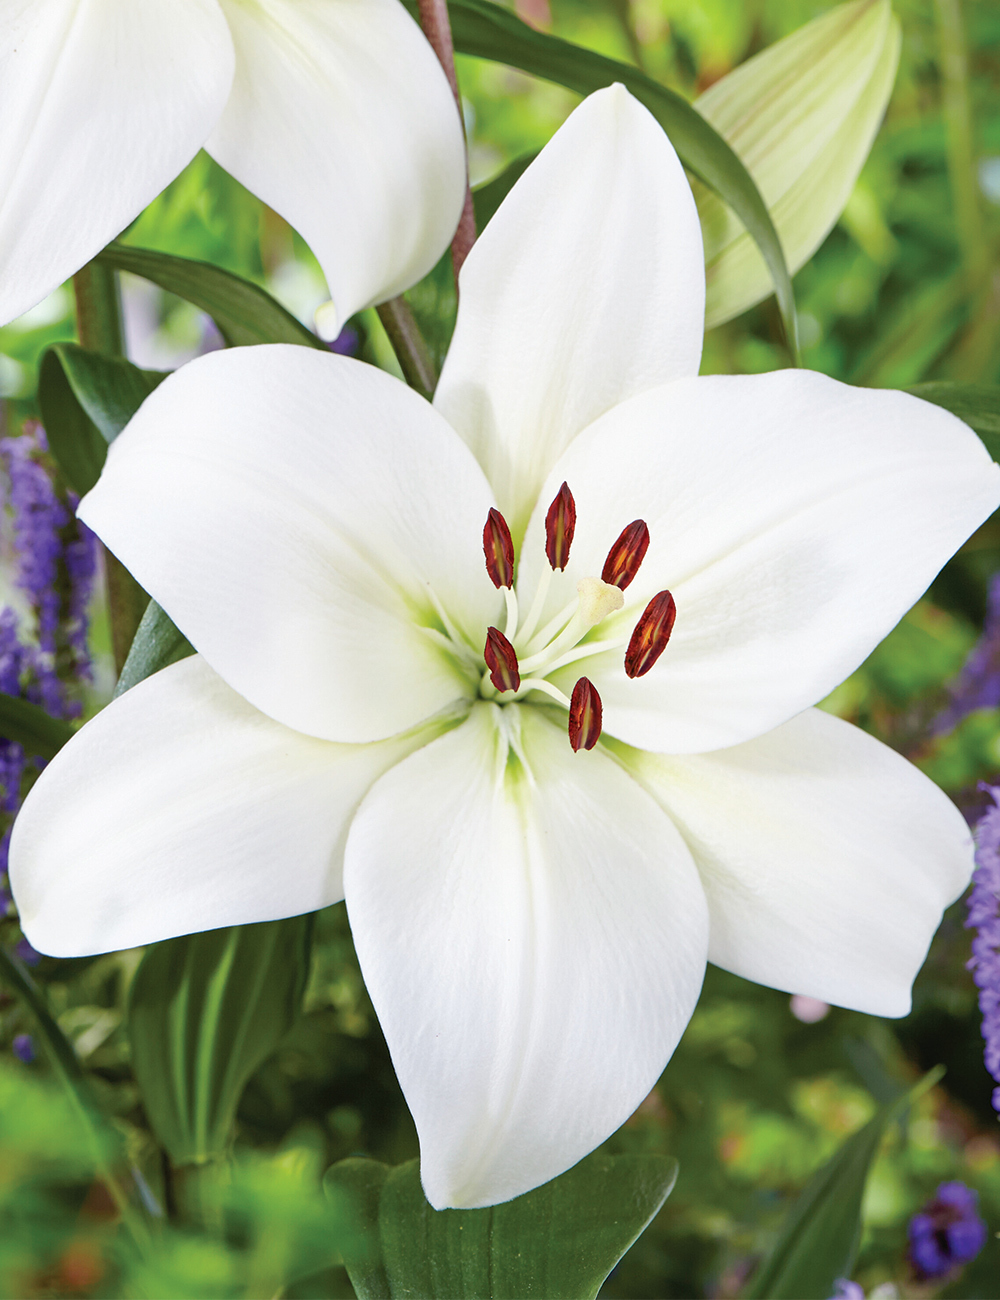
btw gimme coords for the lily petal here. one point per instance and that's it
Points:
(291, 510)
(180, 807)
(342, 120)
(534, 952)
(827, 858)
(603, 230)
(794, 519)
(102, 104)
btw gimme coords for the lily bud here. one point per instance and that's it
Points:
(802, 116)
(498, 547)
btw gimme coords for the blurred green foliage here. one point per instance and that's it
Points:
(905, 289)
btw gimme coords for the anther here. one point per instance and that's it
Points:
(585, 715)
(560, 525)
(498, 549)
(501, 660)
(652, 632)
(626, 555)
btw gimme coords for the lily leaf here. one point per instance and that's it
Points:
(819, 1238)
(32, 727)
(86, 399)
(802, 115)
(204, 1011)
(486, 31)
(977, 404)
(158, 642)
(244, 313)
(558, 1242)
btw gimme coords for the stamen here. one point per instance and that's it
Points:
(585, 715)
(498, 549)
(501, 660)
(652, 632)
(560, 525)
(626, 555)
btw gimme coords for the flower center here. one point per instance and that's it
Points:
(520, 657)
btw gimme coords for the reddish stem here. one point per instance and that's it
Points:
(437, 29)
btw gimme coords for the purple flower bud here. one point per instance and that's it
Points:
(27, 954)
(978, 684)
(847, 1290)
(947, 1232)
(23, 1048)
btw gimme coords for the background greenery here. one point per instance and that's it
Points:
(904, 290)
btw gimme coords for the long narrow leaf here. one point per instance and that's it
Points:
(819, 1237)
(244, 312)
(486, 31)
(32, 727)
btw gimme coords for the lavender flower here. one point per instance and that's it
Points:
(984, 917)
(847, 1290)
(23, 1048)
(947, 1232)
(978, 684)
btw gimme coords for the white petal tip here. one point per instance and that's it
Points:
(328, 322)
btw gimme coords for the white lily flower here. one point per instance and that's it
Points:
(374, 713)
(335, 112)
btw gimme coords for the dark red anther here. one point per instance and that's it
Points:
(585, 715)
(498, 549)
(626, 555)
(652, 632)
(501, 660)
(560, 525)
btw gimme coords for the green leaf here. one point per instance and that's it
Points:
(486, 31)
(157, 644)
(204, 1011)
(86, 399)
(977, 404)
(32, 727)
(244, 312)
(558, 1242)
(819, 1237)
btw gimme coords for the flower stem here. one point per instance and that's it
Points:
(437, 29)
(958, 121)
(67, 1067)
(99, 328)
(409, 345)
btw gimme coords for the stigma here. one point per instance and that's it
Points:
(520, 657)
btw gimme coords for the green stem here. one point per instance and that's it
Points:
(409, 345)
(99, 328)
(67, 1067)
(958, 121)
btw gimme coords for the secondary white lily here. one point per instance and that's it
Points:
(334, 112)
(532, 922)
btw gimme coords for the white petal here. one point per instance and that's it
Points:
(180, 807)
(534, 950)
(827, 858)
(102, 104)
(586, 287)
(342, 120)
(794, 519)
(292, 510)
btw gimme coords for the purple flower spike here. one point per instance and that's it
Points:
(947, 1232)
(978, 684)
(984, 917)
(23, 1048)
